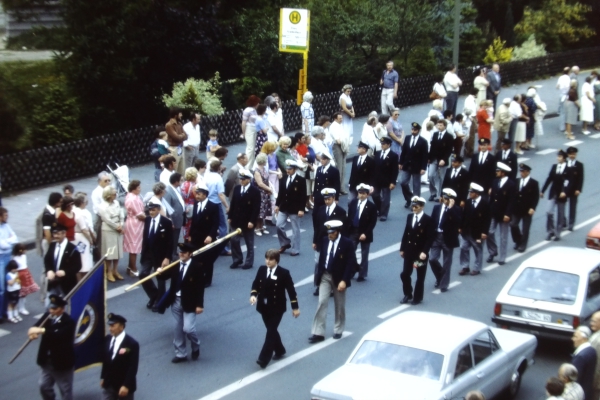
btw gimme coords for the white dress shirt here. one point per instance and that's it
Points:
(334, 244)
(184, 266)
(59, 251)
(116, 343)
(193, 133)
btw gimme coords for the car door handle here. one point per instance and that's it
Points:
(480, 375)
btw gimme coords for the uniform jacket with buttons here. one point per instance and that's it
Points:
(270, 292)
(386, 170)
(363, 174)
(57, 347)
(319, 219)
(512, 161)
(367, 220)
(417, 239)
(70, 263)
(450, 223)
(460, 183)
(476, 220)
(526, 198)
(205, 223)
(244, 209)
(484, 173)
(502, 199)
(158, 248)
(559, 183)
(441, 148)
(344, 262)
(329, 179)
(292, 199)
(414, 159)
(122, 369)
(192, 287)
(577, 176)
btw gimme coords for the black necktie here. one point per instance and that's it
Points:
(355, 220)
(473, 201)
(415, 220)
(268, 273)
(111, 350)
(56, 256)
(382, 155)
(445, 210)
(331, 253)
(180, 277)
(328, 211)
(151, 233)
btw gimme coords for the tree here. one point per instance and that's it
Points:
(196, 95)
(498, 52)
(557, 24)
(529, 49)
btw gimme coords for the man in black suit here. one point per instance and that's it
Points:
(560, 183)
(186, 299)
(502, 198)
(290, 204)
(56, 355)
(334, 274)
(243, 214)
(413, 163)
(474, 228)
(62, 262)
(362, 215)
(446, 217)
(508, 157)
(363, 169)
(576, 169)
(493, 89)
(119, 361)
(175, 200)
(327, 176)
(526, 201)
(268, 293)
(482, 170)
(157, 241)
(204, 230)
(584, 359)
(442, 144)
(419, 233)
(386, 174)
(457, 179)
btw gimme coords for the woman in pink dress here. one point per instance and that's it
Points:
(134, 225)
(187, 192)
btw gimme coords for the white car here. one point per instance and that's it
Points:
(551, 293)
(428, 356)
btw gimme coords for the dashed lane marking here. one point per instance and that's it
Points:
(393, 311)
(450, 286)
(547, 151)
(574, 143)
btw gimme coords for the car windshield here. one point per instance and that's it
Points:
(546, 285)
(397, 358)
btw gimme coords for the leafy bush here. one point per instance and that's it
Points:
(196, 95)
(497, 52)
(529, 49)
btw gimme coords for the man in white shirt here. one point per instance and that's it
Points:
(192, 144)
(563, 85)
(275, 120)
(452, 83)
(341, 145)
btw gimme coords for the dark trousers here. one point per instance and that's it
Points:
(405, 179)
(149, 287)
(451, 101)
(272, 339)
(176, 234)
(63, 379)
(365, 246)
(441, 271)
(520, 237)
(113, 394)
(409, 260)
(572, 211)
(236, 249)
(381, 198)
(512, 128)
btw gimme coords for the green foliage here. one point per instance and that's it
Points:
(39, 38)
(196, 95)
(529, 49)
(557, 24)
(421, 61)
(498, 52)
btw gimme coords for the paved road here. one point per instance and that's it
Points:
(231, 331)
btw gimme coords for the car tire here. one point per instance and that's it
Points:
(515, 384)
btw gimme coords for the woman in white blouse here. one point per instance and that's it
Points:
(84, 233)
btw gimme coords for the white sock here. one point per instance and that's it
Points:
(10, 314)
(22, 304)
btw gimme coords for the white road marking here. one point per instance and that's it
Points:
(547, 151)
(305, 281)
(272, 368)
(385, 251)
(450, 286)
(4, 332)
(393, 311)
(38, 316)
(574, 143)
(522, 159)
(595, 136)
(288, 232)
(118, 291)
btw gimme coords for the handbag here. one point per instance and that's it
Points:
(434, 95)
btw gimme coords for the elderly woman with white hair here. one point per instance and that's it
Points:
(261, 181)
(369, 134)
(347, 111)
(283, 152)
(437, 106)
(112, 232)
(307, 112)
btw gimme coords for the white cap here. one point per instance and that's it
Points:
(503, 167)
(449, 192)
(418, 200)
(244, 173)
(201, 186)
(363, 186)
(507, 100)
(475, 188)
(328, 192)
(333, 225)
(153, 203)
(325, 153)
(291, 164)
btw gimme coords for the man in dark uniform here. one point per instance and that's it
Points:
(413, 163)
(576, 169)
(268, 293)
(442, 145)
(290, 204)
(446, 217)
(502, 200)
(508, 157)
(119, 361)
(157, 241)
(457, 179)
(474, 228)
(362, 215)
(482, 170)
(419, 233)
(186, 299)
(363, 169)
(243, 214)
(56, 355)
(204, 230)
(561, 184)
(327, 176)
(62, 262)
(386, 173)
(526, 201)
(334, 274)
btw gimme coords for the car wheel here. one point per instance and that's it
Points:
(514, 385)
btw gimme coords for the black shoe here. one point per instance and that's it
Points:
(234, 265)
(246, 266)
(437, 284)
(361, 279)
(549, 237)
(521, 249)
(556, 238)
(501, 262)
(516, 247)
(196, 354)
(207, 284)
(155, 309)
(316, 292)
(443, 290)
(262, 364)
(294, 254)
(177, 360)
(278, 356)
(407, 204)
(464, 271)
(415, 302)
(316, 339)
(405, 299)
(474, 273)
(149, 304)
(432, 198)
(490, 259)
(337, 336)
(284, 248)
(383, 219)
(570, 229)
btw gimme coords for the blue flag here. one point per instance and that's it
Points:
(88, 309)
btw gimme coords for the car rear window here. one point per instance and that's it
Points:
(546, 285)
(397, 358)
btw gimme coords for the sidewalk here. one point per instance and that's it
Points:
(24, 207)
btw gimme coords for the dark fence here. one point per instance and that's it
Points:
(89, 156)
